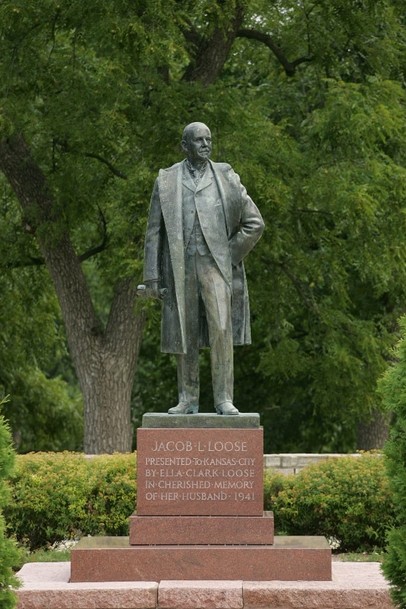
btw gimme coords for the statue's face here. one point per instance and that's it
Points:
(197, 144)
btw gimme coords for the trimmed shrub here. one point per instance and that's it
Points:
(112, 498)
(65, 495)
(60, 496)
(9, 555)
(347, 500)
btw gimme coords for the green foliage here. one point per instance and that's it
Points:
(323, 156)
(44, 409)
(348, 500)
(8, 552)
(100, 93)
(113, 495)
(58, 496)
(336, 277)
(393, 389)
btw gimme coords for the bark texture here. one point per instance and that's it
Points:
(373, 432)
(104, 358)
(210, 53)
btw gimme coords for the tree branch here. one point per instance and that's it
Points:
(37, 261)
(65, 147)
(288, 66)
(191, 35)
(97, 248)
(301, 287)
(113, 169)
(30, 187)
(21, 264)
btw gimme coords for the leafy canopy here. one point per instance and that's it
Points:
(308, 106)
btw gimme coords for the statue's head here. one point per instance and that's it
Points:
(196, 142)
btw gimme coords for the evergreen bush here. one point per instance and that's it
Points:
(347, 500)
(393, 390)
(8, 551)
(59, 496)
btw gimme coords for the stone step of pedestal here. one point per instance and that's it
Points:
(205, 530)
(106, 559)
(354, 585)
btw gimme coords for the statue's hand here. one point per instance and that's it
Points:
(151, 290)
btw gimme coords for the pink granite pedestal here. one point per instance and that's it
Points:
(200, 512)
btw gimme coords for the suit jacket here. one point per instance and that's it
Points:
(164, 259)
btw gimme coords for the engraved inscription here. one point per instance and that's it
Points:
(213, 471)
(188, 446)
(199, 471)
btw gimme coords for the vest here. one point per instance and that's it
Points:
(193, 237)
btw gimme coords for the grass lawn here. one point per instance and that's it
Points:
(360, 557)
(46, 556)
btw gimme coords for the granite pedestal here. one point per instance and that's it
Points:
(200, 511)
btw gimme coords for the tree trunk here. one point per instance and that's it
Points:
(107, 383)
(372, 432)
(210, 54)
(105, 359)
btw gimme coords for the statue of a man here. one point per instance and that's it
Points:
(201, 225)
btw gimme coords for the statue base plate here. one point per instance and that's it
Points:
(244, 420)
(110, 559)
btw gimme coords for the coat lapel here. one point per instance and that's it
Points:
(170, 193)
(187, 180)
(231, 211)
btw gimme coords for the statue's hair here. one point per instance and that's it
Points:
(189, 128)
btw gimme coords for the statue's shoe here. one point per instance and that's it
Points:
(227, 408)
(184, 409)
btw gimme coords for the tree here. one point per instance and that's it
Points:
(319, 139)
(393, 389)
(338, 276)
(60, 199)
(9, 555)
(299, 99)
(46, 410)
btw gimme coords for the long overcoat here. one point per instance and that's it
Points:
(164, 259)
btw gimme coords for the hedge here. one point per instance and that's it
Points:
(348, 500)
(60, 496)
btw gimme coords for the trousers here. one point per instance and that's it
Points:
(206, 285)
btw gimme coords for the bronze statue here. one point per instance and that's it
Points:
(201, 225)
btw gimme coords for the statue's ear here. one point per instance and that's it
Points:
(184, 146)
